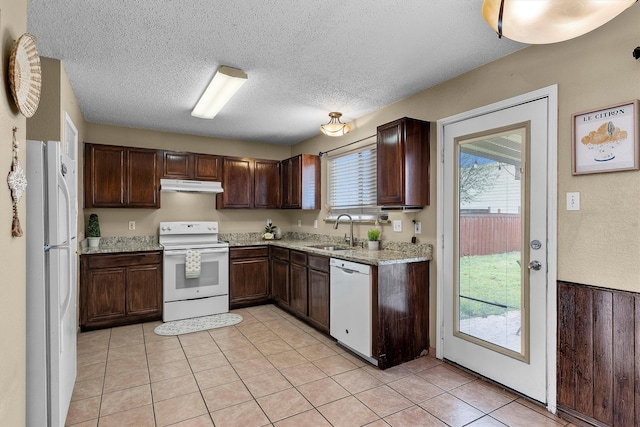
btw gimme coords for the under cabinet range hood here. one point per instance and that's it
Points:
(190, 186)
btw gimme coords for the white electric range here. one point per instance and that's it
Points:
(186, 294)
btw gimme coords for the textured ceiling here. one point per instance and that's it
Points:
(145, 63)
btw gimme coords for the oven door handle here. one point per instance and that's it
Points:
(178, 252)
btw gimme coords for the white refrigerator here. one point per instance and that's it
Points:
(51, 283)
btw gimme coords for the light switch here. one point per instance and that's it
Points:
(397, 225)
(573, 201)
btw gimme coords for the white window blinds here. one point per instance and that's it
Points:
(352, 180)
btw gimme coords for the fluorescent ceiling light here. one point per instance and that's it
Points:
(223, 86)
(549, 21)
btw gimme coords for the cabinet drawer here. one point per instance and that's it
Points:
(249, 252)
(280, 253)
(298, 258)
(124, 259)
(318, 262)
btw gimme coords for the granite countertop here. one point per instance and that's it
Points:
(391, 252)
(391, 255)
(110, 245)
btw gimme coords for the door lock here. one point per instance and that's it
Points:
(535, 265)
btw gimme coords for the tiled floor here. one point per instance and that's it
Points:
(272, 369)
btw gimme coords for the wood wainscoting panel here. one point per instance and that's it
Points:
(598, 368)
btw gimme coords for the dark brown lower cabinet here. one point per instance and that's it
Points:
(400, 312)
(598, 366)
(298, 283)
(318, 278)
(120, 289)
(248, 276)
(280, 275)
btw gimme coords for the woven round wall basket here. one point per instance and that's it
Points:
(25, 75)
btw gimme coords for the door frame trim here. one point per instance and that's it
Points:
(551, 93)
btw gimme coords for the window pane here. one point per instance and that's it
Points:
(490, 288)
(352, 179)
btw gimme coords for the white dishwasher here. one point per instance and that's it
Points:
(350, 305)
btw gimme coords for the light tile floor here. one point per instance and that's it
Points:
(273, 370)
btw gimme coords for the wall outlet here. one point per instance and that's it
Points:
(573, 201)
(417, 227)
(268, 221)
(132, 225)
(299, 223)
(315, 223)
(397, 225)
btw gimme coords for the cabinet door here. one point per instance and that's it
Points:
(403, 163)
(319, 299)
(291, 185)
(142, 182)
(309, 190)
(177, 165)
(266, 184)
(390, 163)
(280, 281)
(298, 289)
(207, 167)
(238, 184)
(248, 281)
(102, 296)
(144, 290)
(301, 182)
(104, 176)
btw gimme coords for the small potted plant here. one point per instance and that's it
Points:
(269, 232)
(93, 231)
(373, 235)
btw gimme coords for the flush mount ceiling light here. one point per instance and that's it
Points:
(335, 127)
(549, 21)
(223, 86)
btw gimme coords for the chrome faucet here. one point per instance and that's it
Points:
(351, 243)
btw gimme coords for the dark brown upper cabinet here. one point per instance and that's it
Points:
(120, 177)
(204, 167)
(266, 184)
(301, 182)
(249, 183)
(403, 163)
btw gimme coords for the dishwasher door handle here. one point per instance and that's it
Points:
(346, 270)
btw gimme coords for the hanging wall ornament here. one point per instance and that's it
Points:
(25, 74)
(17, 184)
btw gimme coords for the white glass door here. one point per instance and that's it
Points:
(495, 245)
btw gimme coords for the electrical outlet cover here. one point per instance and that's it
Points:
(397, 225)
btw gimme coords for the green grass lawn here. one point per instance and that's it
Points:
(494, 278)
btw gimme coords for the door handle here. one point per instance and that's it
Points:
(535, 265)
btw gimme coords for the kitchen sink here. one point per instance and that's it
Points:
(330, 247)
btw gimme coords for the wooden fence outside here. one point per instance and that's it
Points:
(485, 234)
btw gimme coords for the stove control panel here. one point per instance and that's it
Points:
(201, 227)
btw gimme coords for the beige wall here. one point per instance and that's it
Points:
(45, 123)
(13, 23)
(600, 244)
